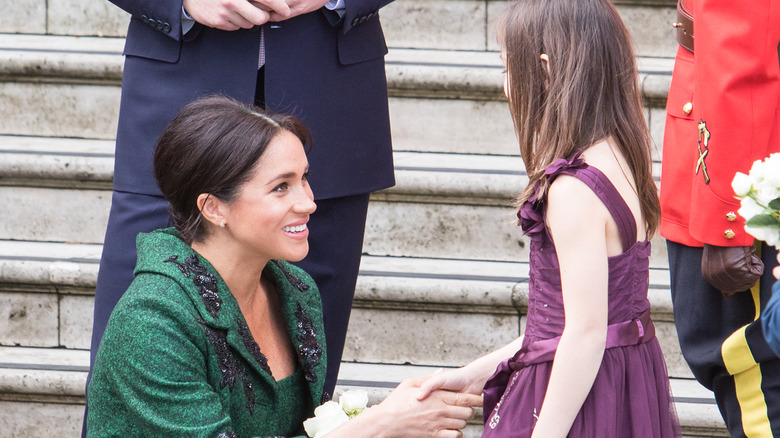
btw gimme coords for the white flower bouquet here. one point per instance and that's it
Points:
(331, 415)
(759, 195)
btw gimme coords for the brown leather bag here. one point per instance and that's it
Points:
(731, 269)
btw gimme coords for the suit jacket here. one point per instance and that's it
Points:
(177, 357)
(329, 75)
(723, 113)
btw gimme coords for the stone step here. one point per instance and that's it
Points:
(42, 393)
(441, 100)
(431, 24)
(454, 309)
(443, 206)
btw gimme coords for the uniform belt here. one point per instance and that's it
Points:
(684, 26)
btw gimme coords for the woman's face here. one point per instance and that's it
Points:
(269, 216)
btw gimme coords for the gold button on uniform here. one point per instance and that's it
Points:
(687, 108)
(729, 234)
(731, 216)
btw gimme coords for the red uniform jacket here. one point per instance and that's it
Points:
(723, 113)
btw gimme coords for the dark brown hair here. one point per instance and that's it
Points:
(590, 94)
(212, 146)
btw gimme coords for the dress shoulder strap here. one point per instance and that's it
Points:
(606, 191)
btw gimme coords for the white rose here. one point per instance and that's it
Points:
(772, 176)
(769, 235)
(741, 184)
(749, 208)
(757, 173)
(766, 193)
(353, 401)
(327, 417)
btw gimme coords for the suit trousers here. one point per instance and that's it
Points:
(723, 343)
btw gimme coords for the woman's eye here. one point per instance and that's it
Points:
(305, 176)
(281, 187)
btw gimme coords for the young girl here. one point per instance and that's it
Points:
(589, 363)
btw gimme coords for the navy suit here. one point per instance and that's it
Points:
(327, 72)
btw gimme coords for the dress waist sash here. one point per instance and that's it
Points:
(622, 334)
(633, 332)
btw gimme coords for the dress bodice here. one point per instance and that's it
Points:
(628, 272)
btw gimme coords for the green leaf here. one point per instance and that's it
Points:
(774, 204)
(763, 220)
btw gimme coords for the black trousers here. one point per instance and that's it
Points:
(723, 343)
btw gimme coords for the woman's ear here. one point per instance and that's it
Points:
(211, 208)
(546, 61)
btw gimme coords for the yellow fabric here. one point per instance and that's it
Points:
(740, 363)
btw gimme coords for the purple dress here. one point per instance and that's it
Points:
(630, 396)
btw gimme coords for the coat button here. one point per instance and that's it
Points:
(731, 216)
(687, 108)
(166, 27)
(356, 21)
(729, 234)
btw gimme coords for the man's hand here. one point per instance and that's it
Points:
(235, 14)
(731, 269)
(298, 7)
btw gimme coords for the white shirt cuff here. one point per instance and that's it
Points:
(334, 4)
(187, 22)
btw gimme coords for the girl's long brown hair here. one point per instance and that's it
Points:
(590, 94)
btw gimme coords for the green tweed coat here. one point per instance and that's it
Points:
(177, 358)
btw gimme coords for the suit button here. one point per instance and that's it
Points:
(363, 19)
(356, 21)
(159, 25)
(731, 216)
(687, 108)
(729, 234)
(144, 18)
(166, 27)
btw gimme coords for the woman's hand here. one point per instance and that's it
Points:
(441, 414)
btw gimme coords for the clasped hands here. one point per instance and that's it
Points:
(440, 412)
(244, 14)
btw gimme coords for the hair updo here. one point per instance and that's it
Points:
(212, 146)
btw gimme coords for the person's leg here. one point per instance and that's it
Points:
(335, 247)
(722, 343)
(130, 214)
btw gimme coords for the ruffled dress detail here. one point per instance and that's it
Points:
(630, 396)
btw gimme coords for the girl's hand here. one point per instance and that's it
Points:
(460, 380)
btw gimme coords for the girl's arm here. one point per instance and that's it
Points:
(577, 220)
(472, 377)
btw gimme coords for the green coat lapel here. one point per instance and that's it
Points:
(218, 310)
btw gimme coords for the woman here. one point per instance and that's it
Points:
(218, 335)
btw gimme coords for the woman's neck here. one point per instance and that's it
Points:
(241, 272)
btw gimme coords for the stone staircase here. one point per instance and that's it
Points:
(444, 271)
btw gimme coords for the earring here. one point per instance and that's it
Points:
(222, 224)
